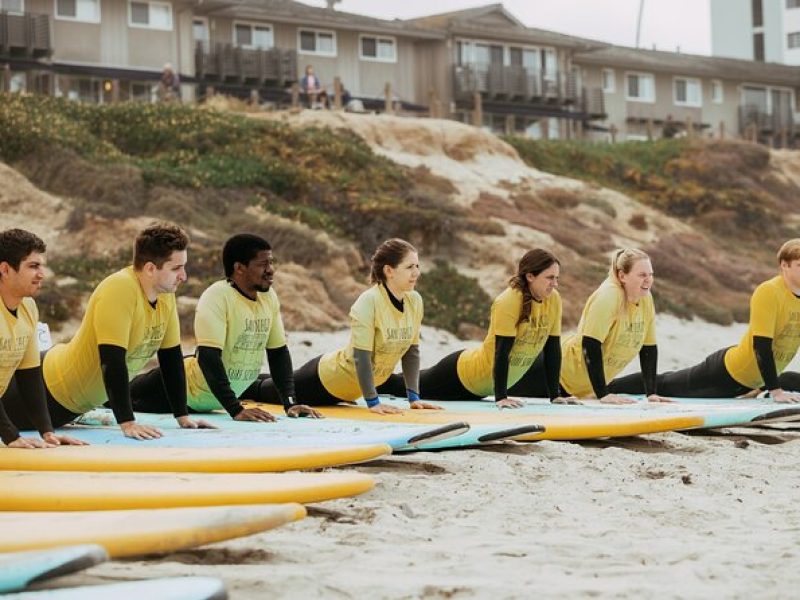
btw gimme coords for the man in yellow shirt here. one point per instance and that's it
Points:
(769, 344)
(131, 316)
(236, 320)
(22, 261)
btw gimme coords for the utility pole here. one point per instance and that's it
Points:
(639, 22)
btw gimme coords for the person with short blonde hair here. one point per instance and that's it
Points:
(758, 360)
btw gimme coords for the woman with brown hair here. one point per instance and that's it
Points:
(384, 329)
(525, 322)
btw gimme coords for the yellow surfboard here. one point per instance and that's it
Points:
(50, 490)
(135, 532)
(557, 427)
(186, 460)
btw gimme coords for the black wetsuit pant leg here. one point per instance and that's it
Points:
(148, 394)
(533, 383)
(789, 381)
(439, 382)
(307, 386)
(14, 404)
(708, 379)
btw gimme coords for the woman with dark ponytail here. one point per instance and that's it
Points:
(384, 329)
(525, 322)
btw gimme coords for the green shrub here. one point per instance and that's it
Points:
(451, 298)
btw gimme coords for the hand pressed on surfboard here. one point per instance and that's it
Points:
(303, 410)
(420, 405)
(62, 440)
(386, 409)
(783, 397)
(255, 414)
(657, 398)
(30, 443)
(187, 423)
(133, 430)
(509, 403)
(565, 400)
(616, 399)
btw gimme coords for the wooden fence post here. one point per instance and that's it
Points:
(722, 130)
(649, 129)
(387, 93)
(295, 95)
(434, 105)
(545, 126)
(6, 87)
(477, 109)
(511, 128)
(689, 127)
(613, 132)
(337, 93)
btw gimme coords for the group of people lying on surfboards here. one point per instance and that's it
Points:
(132, 316)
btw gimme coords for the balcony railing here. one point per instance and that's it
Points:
(513, 82)
(24, 35)
(751, 115)
(226, 62)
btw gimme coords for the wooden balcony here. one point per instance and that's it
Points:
(515, 83)
(26, 35)
(756, 117)
(229, 63)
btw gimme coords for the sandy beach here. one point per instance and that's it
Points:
(667, 515)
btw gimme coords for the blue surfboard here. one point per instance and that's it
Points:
(19, 569)
(168, 588)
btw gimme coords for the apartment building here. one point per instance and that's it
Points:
(479, 63)
(649, 93)
(760, 30)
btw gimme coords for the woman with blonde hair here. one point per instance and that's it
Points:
(769, 344)
(384, 329)
(525, 323)
(617, 323)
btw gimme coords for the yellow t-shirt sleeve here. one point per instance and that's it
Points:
(172, 337)
(555, 318)
(277, 334)
(601, 314)
(31, 358)
(362, 323)
(763, 316)
(505, 311)
(210, 323)
(113, 314)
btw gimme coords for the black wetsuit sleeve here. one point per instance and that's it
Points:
(8, 431)
(210, 361)
(648, 361)
(280, 369)
(552, 365)
(174, 376)
(115, 378)
(762, 346)
(502, 350)
(410, 362)
(593, 357)
(31, 388)
(366, 379)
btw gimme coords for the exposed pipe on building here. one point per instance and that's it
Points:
(638, 21)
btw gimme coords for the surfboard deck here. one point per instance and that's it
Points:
(78, 491)
(283, 433)
(166, 588)
(20, 569)
(126, 533)
(144, 457)
(557, 426)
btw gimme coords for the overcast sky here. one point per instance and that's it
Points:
(667, 24)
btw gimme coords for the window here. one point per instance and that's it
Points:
(793, 39)
(15, 7)
(311, 41)
(249, 35)
(150, 15)
(383, 49)
(758, 47)
(609, 83)
(758, 13)
(688, 92)
(792, 3)
(640, 87)
(200, 32)
(78, 10)
(716, 91)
